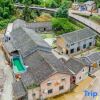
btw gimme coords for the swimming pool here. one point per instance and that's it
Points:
(18, 66)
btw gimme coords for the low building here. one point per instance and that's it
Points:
(46, 76)
(78, 69)
(23, 40)
(36, 26)
(92, 61)
(90, 5)
(74, 42)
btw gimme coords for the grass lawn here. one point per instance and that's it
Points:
(97, 49)
(95, 18)
(65, 25)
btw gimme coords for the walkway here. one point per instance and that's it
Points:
(37, 8)
(7, 92)
(86, 21)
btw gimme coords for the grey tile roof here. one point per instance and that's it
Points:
(94, 57)
(85, 61)
(73, 65)
(90, 59)
(18, 90)
(8, 46)
(25, 40)
(79, 35)
(18, 23)
(41, 66)
(21, 23)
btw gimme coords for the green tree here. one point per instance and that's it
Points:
(1, 11)
(63, 9)
(53, 4)
(26, 13)
(97, 3)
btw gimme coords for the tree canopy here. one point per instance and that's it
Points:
(6, 8)
(63, 9)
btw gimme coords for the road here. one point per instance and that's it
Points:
(37, 8)
(7, 92)
(95, 87)
(86, 21)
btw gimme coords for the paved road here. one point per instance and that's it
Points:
(7, 93)
(95, 87)
(86, 21)
(37, 7)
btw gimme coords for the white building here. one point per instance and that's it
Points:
(76, 41)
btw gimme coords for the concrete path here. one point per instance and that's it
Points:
(7, 93)
(86, 21)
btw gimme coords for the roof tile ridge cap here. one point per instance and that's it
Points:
(48, 62)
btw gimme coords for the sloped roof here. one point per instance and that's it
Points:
(90, 59)
(21, 23)
(18, 90)
(41, 66)
(73, 65)
(25, 40)
(18, 23)
(79, 35)
(85, 61)
(94, 57)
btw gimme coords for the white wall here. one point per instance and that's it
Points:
(81, 43)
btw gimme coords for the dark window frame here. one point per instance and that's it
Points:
(50, 91)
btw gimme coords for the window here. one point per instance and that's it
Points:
(78, 48)
(49, 83)
(84, 46)
(63, 79)
(72, 51)
(33, 94)
(61, 87)
(80, 77)
(72, 44)
(90, 38)
(50, 91)
(90, 44)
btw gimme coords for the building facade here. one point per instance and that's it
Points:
(92, 61)
(75, 42)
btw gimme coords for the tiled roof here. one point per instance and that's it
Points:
(85, 61)
(79, 35)
(25, 40)
(90, 59)
(18, 23)
(94, 57)
(21, 23)
(41, 66)
(18, 90)
(73, 65)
